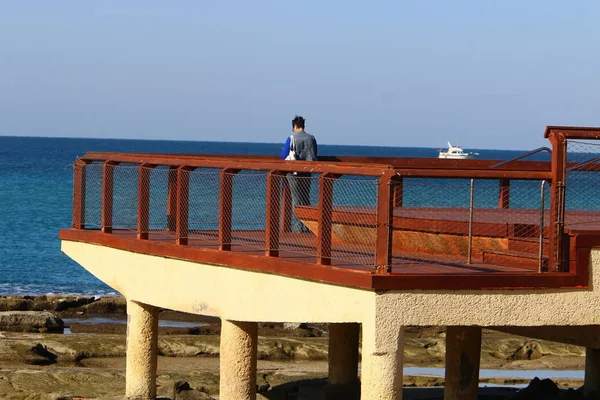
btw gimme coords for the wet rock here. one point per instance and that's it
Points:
(30, 321)
(107, 305)
(13, 304)
(64, 304)
(43, 303)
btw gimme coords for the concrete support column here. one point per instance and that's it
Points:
(343, 353)
(238, 360)
(142, 341)
(463, 353)
(382, 358)
(591, 381)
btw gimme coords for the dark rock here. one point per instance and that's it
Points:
(293, 326)
(538, 389)
(107, 305)
(590, 395)
(571, 394)
(192, 395)
(262, 385)
(43, 351)
(329, 392)
(40, 355)
(180, 386)
(14, 304)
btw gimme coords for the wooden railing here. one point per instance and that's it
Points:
(389, 175)
(388, 211)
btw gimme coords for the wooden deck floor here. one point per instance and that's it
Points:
(297, 259)
(302, 247)
(354, 264)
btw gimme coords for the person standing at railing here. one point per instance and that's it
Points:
(299, 146)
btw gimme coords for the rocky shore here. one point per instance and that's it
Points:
(38, 361)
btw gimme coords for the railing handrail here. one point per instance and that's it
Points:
(530, 153)
(245, 164)
(340, 167)
(476, 174)
(396, 162)
(390, 173)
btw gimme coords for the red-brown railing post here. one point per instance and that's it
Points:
(143, 222)
(108, 170)
(504, 194)
(384, 223)
(325, 219)
(273, 210)
(398, 191)
(286, 206)
(183, 204)
(171, 198)
(79, 180)
(557, 200)
(226, 207)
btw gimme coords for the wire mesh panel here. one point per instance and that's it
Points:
(431, 219)
(293, 200)
(582, 184)
(514, 233)
(93, 195)
(354, 219)
(158, 182)
(125, 197)
(461, 220)
(248, 204)
(203, 215)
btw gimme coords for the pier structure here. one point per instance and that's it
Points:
(391, 243)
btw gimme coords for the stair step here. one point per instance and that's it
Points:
(527, 245)
(512, 258)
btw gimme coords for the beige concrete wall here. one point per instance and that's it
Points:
(218, 291)
(247, 296)
(498, 307)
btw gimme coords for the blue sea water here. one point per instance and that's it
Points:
(36, 197)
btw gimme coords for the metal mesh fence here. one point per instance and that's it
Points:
(435, 221)
(299, 215)
(158, 200)
(93, 195)
(203, 214)
(125, 197)
(354, 229)
(582, 184)
(248, 209)
(456, 220)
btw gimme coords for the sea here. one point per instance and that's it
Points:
(36, 192)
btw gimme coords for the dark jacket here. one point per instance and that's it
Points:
(306, 147)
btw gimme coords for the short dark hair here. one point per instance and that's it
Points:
(298, 121)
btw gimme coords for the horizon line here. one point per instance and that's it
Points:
(240, 142)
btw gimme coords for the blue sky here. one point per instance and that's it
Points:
(485, 74)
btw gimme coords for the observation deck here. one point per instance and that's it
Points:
(388, 242)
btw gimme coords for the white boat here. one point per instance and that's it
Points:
(455, 153)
